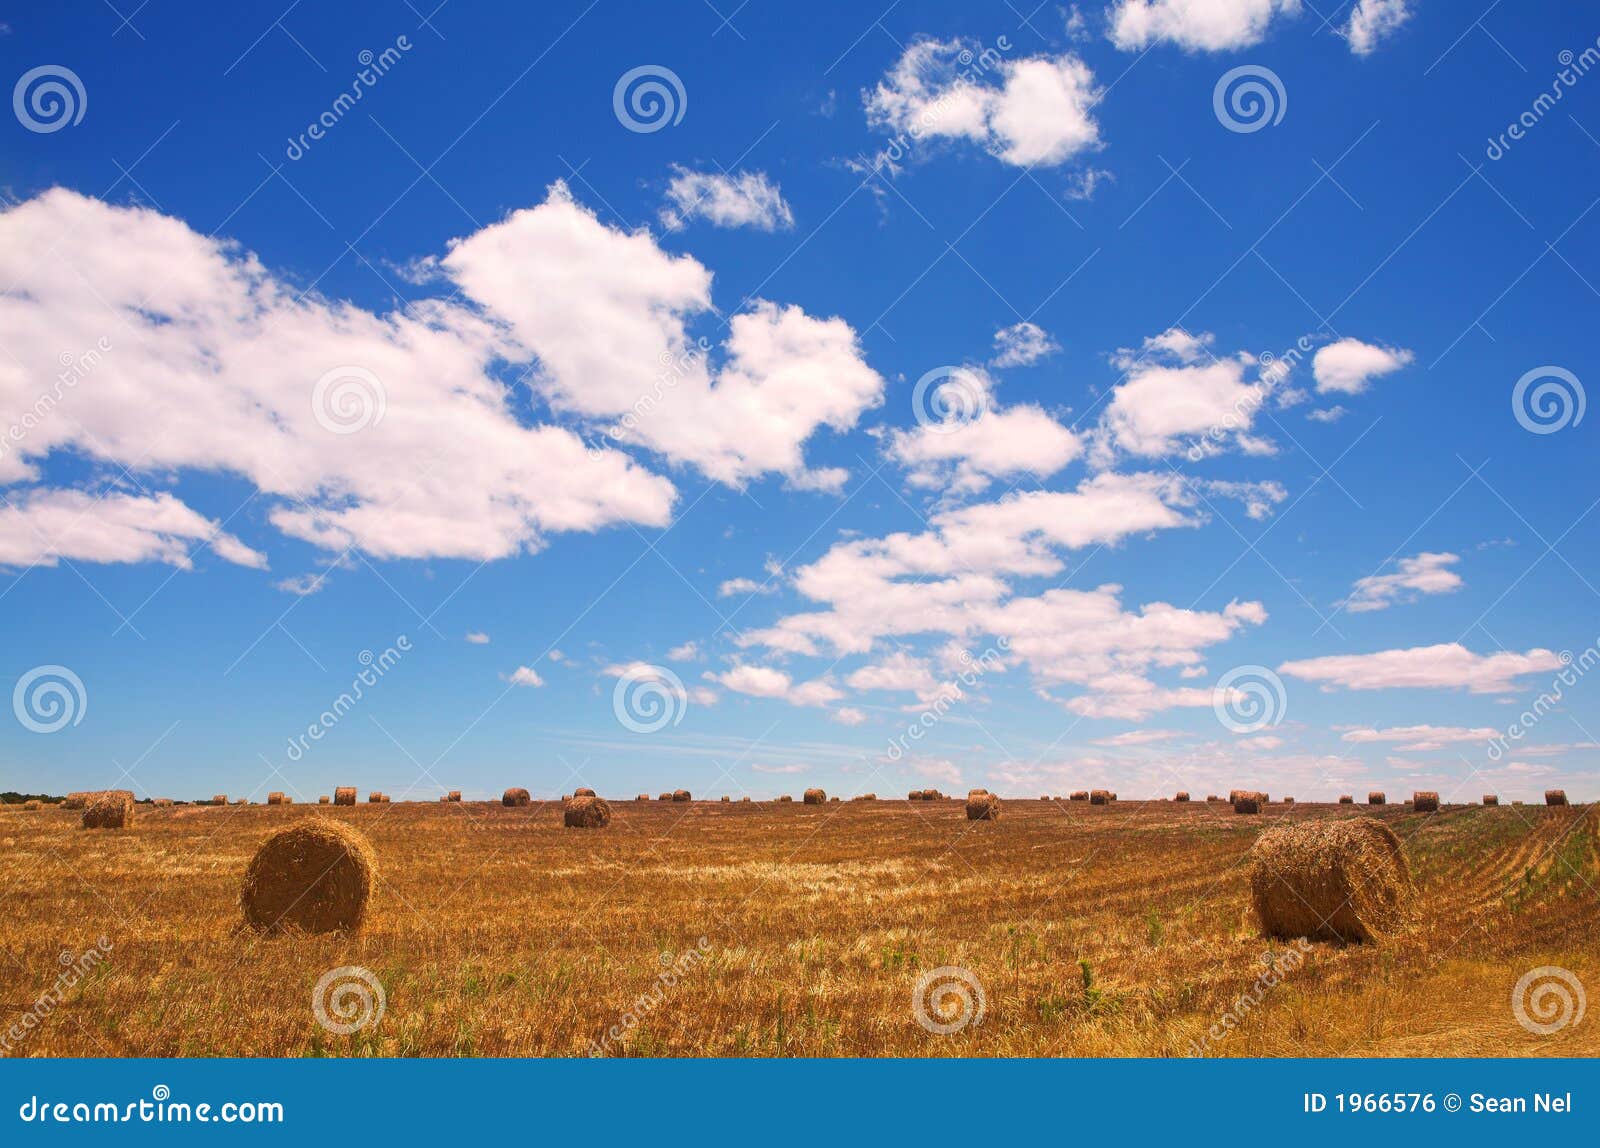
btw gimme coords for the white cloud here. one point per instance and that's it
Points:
(1022, 343)
(848, 715)
(962, 455)
(1327, 414)
(898, 671)
(725, 199)
(1450, 666)
(1139, 737)
(1032, 112)
(214, 365)
(42, 527)
(1195, 25)
(1424, 573)
(761, 767)
(746, 586)
(1421, 738)
(1346, 367)
(1372, 21)
(766, 682)
(606, 312)
(525, 676)
(687, 652)
(478, 638)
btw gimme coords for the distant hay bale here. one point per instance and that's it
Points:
(932, 795)
(1376, 798)
(665, 797)
(453, 795)
(315, 876)
(77, 800)
(31, 805)
(1425, 801)
(642, 797)
(241, 801)
(814, 797)
(515, 797)
(1336, 880)
(1213, 799)
(586, 812)
(982, 806)
(786, 797)
(162, 803)
(742, 800)
(977, 792)
(344, 795)
(865, 797)
(680, 795)
(831, 800)
(324, 800)
(1247, 802)
(1043, 797)
(1181, 795)
(725, 797)
(1346, 799)
(1288, 801)
(1555, 797)
(1099, 797)
(582, 791)
(374, 798)
(1490, 799)
(112, 809)
(1079, 795)
(277, 798)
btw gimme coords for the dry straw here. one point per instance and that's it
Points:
(1425, 801)
(586, 812)
(515, 797)
(1332, 880)
(344, 795)
(815, 797)
(316, 877)
(982, 806)
(112, 809)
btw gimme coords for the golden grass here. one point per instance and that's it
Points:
(496, 932)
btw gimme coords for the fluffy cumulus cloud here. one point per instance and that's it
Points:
(1031, 112)
(767, 682)
(1372, 21)
(392, 434)
(1346, 367)
(1195, 25)
(1022, 343)
(1420, 738)
(525, 676)
(606, 314)
(1424, 573)
(1451, 666)
(725, 199)
(969, 439)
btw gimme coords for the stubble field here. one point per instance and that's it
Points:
(767, 929)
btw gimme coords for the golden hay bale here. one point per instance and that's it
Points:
(344, 795)
(277, 798)
(1043, 797)
(1346, 799)
(865, 797)
(1213, 799)
(77, 800)
(932, 795)
(1490, 799)
(162, 803)
(30, 806)
(831, 800)
(453, 795)
(1079, 795)
(1099, 797)
(786, 797)
(914, 795)
(680, 795)
(1288, 801)
(1425, 801)
(219, 799)
(642, 797)
(374, 798)
(241, 801)
(586, 812)
(742, 800)
(1338, 880)
(1555, 797)
(665, 797)
(1376, 798)
(112, 809)
(315, 876)
(982, 806)
(977, 792)
(725, 797)
(324, 800)
(1181, 795)
(1247, 802)
(515, 796)
(583, 791)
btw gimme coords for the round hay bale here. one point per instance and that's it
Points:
(831, 800)
(681, 795)
(1333, 880)
(977, 792)
(1181, 795)
(1245, 802)
(786, 797)
(914, 795)
(219, 799)
(77, 800)
(112, 809)
(1555, 797)
(515, 797)
(1425, 801)
(982, 806)
(586, 812)
(162, 803)
(376, 798)
(581, 791)
(665, 797)
(324, 800)
(932, 795)
(1213, 799)
(1288, 801)
(1078, 795)
(642, 797)
(30, 806)
(1376, 798)
(865, 797)
(1491, 799)
(453, 795)
(1044, 797)
(726, 798)
(1346, 799)
(277, 798)
(344, 795)
(316, 876)
(742, 800)
(1099, 797)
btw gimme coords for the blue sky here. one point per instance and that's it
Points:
(575, 416)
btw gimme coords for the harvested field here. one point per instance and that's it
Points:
(1120, 930)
